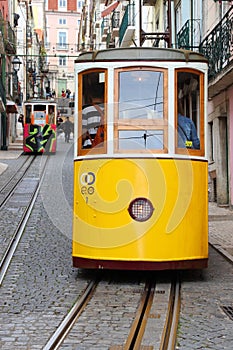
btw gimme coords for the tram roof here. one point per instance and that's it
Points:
(141, 54)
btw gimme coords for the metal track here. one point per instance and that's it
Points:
(35, 184)
(64, 328)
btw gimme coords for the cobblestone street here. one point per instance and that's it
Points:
(42, 285)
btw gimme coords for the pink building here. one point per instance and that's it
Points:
(62, 25)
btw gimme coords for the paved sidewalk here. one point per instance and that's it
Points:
(7, 155)
(221, 228)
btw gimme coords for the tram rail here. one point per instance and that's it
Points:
(23, 202)
(8, 187)
(58, 337)
(153, 325)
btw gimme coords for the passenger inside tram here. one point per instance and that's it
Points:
(188, 106)
(93, 117)
(187, 133)
(51, 115)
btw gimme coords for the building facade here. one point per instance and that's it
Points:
(62, 23)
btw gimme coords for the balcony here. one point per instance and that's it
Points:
(62, 46)
(127, 27)
(217, 47)
(9, 37)
(189, 37)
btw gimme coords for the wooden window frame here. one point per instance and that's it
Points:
(201, 151)
(94, 150)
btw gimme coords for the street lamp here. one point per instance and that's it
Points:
(16, 64)
(16, 67)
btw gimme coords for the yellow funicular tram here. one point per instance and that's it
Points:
(140, 165)
(40, 126)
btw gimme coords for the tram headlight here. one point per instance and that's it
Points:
(140, 209)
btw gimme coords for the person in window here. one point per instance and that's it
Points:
(92, 119)
(51, 116)
(187, 133)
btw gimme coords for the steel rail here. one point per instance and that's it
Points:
(68, 322)
(170, 328)
(168, 331)
(20, 173)
(9, 253)
(138, 327)
(175, 319)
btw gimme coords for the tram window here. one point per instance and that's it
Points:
(141, 94)
(189, 112)
(28, 114)
(142, 109)
(41, 108)
(141, 139)
(93, 131)
(51, 115)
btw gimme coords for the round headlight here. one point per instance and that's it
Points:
(140, 209)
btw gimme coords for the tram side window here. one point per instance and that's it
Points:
(93, 130)
(189, 113)
(51, 115)
(28, 114)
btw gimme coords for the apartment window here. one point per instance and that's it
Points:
(62, 60)
(62, 3)
(79, 4)
(62, 40)
(62, 21)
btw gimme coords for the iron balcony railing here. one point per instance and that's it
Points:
(127, 20)
(217, 46)
(62, 46)
(189, 37)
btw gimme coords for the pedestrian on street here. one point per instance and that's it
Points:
(67, 127)
(21, 119)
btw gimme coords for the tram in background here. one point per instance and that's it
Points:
(40, 130)
(140, 179)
